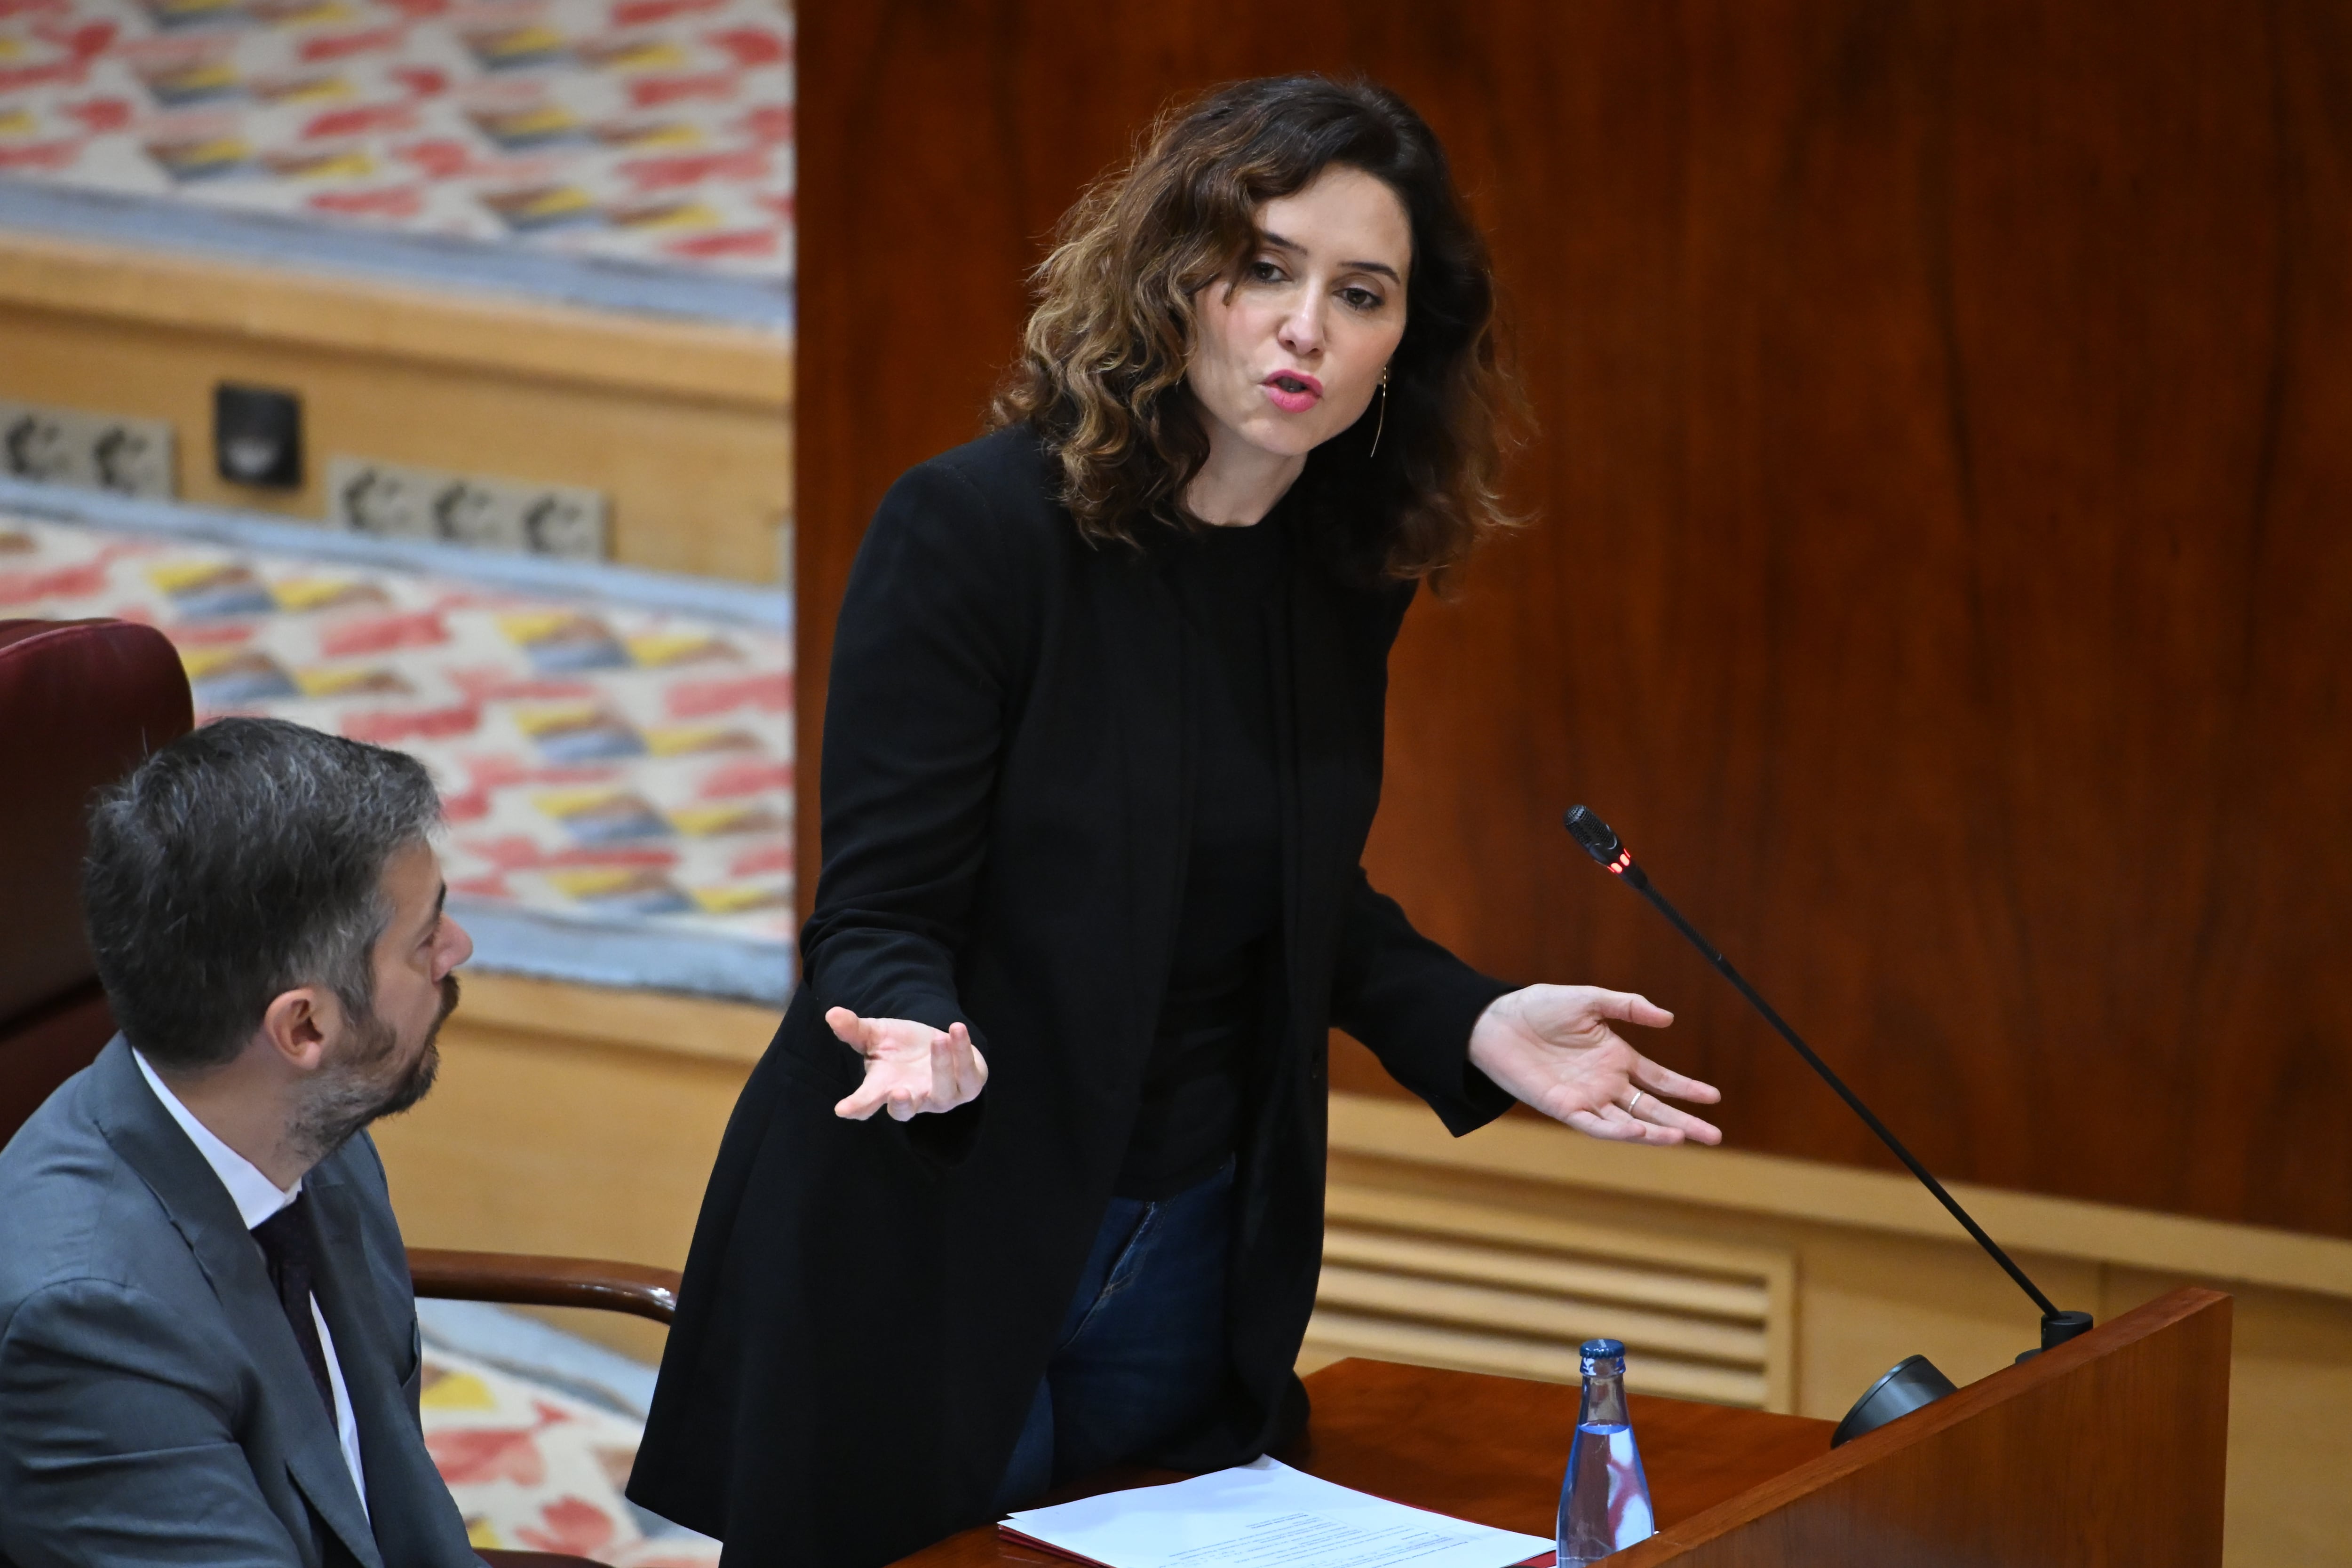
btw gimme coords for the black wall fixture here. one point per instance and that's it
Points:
(258, 437)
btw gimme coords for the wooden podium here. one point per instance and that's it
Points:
(2105, 1450)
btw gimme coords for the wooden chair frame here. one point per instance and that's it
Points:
(528, 1279)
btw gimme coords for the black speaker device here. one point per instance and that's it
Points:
(258, 437)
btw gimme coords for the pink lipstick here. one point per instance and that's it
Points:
(1293, 391)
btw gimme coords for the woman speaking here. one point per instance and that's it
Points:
(1102, 748)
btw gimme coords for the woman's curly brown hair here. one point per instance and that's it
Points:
(1101, 376)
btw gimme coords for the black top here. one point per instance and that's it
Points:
(869, 1305)
(1226, 581)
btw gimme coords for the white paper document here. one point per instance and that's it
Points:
(1265, 1515)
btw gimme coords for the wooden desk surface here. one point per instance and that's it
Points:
(1489, 1450)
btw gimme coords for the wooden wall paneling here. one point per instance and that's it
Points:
(1941, 573)
(2280, 1077)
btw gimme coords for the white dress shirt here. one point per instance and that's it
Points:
(256, 1199)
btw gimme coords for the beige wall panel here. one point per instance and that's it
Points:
(694, 486)
(536, 1142)
(1866, 1301)
(1863, 1300)
(685, 426)
(534, 1145)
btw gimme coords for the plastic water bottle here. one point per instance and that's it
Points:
(1604, 1499)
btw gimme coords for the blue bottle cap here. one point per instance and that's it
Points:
(1595, 1349)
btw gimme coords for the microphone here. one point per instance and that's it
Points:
(1915, 1381)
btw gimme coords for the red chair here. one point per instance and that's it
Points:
(81, 703)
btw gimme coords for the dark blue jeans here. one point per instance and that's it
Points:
(1141, 1356)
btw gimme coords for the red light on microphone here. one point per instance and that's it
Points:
(1624, 858)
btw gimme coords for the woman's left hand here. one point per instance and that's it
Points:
(1553, 1048)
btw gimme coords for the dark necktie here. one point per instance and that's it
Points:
(291, 1248)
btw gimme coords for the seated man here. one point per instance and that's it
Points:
(208, 1347)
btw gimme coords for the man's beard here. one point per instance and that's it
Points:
(347, 1095)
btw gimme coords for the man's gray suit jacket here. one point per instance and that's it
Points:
(154, 1407)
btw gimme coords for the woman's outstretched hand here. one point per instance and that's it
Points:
(1553, 1048)
(909, 1067)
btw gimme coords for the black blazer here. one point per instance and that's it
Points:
(867, 1306)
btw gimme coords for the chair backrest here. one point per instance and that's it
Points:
(81, 702)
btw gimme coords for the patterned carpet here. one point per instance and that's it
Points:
(534, 1429)
(608, 770)
(646, 131)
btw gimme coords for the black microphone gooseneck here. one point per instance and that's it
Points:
(1599, 841)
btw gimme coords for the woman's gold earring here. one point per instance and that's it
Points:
(1382, 423)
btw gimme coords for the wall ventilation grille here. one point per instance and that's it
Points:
(1485, 1287)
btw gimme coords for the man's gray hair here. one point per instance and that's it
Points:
(236, 864)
